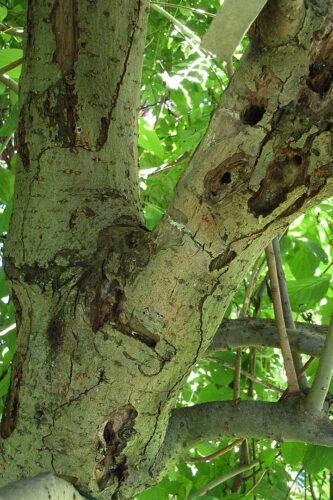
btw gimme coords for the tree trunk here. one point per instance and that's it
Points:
(111, 318)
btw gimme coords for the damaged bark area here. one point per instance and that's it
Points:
(113, 316)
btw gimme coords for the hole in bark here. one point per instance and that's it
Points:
(226, 178)
(298, 159)
(253, 114)
(320, 77)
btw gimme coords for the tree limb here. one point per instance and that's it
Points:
(320, 386)
(282, 421)
(307, 339)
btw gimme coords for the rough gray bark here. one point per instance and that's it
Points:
(287, 420)
(251, 332)
(111, 318)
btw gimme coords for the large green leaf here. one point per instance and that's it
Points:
(148, 139)
(293, 453)
(306, 293)
(303, 261)
(8, 56)
(318, 458)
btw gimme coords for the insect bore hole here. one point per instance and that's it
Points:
(226, 178)
(253, 114)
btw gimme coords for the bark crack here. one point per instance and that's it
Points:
(106, 120)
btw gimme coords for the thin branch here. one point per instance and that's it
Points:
(183, 7)
(216, 454)
(251, 332)
(301, 372)
(189, 34)
(287, 313)
(293, 386)
(243, 460)
(10, 66)
(248, 375)
(243, 314)
(9, 82)
(257, 483)
(318, 392)
(147, 172)
(224, 478)
(312, 488)
(10, 30)
(293, 483)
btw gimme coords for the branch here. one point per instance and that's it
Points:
(10, 30)
(248, 375)
(217, 453)
(190, 36)
(225, 477)
(11, 66)
(9, 82)
(287, 313)
(283, 421)
(293, 385)
(320, 386)
(307, 339)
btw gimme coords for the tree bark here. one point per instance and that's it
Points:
(111, 318)
(250, 332)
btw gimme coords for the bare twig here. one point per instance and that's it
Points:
(217, 453)
(248, 375)
(10, 30)
(147, 172)
(287, 313)
(312, 488)
(293, 385)
(244, 460)
(224, 478)
(183, 7)
(293, 483)
(10, 66)
(9, 82)
(243, 314)
(301, 372)
(318, 392)
(257, 482)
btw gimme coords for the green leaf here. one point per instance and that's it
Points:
(10, 124)
(5, 185)
(306, 293)
(4, 290)
(268, 456)
(8, 56)
(153, 215)
(5, 217)
(149, 140)
(318, 458)
(316, 249)
(293, 453)
(3, 12)
(213, 393)
(303, 262)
